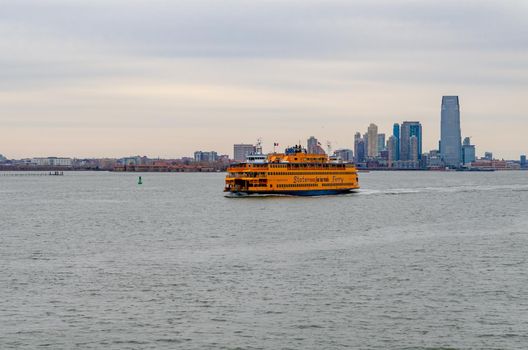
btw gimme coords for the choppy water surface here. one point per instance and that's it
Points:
(413, 261)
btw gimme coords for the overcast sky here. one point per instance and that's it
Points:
(165, 78)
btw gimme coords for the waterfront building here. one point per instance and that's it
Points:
(468, 152)
(52, 161)
(494, 164)
(223, 158)
(359, 150)
(434, 160)
(406, 164)
(396, 134)
(488, 155)
(384, 157)
(450, 133)
(357, 140)
(134, 160)
(523, 161)
(409, 129)
(106, 163)
(392, 149)
(242, 150)
(209, 157)
(357, 137)
(413, 148)
(314, 146)
(346, 155)
(381, 143)
(372, 142)
(311, 144)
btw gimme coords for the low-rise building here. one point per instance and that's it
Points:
(346, 155)
(208, 157)
(434, 160)
(135, 160)
(242, 150)
(484, 164)
(406, 164)
(52, 161)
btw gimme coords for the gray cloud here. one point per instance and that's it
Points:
(72, 64)
(296, 29)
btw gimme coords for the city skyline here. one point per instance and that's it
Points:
(404, 133)
(114, 78)
(269, 147)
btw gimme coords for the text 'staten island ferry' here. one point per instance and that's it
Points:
(294, 172)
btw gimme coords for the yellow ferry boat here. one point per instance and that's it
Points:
(294, 172)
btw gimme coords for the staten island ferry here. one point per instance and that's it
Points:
(294, 172)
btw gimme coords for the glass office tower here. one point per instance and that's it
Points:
(409, 129)
(450, 134)
(396, 134)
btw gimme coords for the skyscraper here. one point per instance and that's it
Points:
(392, 148)
(413, 148)
(360, 155)
(311, 144)
(381, 142)
(450, 134)
(359, 148)
(396, 134)
(468, 152)
(409, 129)
(372, 147)
(314, 146)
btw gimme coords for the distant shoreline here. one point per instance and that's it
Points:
(53, 169)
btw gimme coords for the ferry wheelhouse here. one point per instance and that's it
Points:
(294, 172)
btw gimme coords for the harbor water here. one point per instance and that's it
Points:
(414, 260)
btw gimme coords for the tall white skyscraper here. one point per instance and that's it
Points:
(372, 147)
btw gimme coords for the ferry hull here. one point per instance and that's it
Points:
(293, 193)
